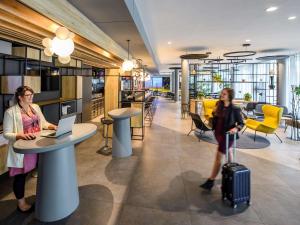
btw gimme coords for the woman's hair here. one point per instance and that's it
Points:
(220, 104)
(20, 92)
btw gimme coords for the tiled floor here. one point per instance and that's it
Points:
(159, 184)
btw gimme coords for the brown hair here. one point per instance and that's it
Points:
(20, 92)
(220, 104)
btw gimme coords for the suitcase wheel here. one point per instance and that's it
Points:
(248, 202)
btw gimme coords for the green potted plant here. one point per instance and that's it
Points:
(201, 95)
(217, 78)
(247, 97)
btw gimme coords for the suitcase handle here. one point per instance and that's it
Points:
(227, 147)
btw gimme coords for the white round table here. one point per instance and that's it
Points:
(57, 189)
(121, 142)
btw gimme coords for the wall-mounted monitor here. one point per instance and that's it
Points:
(98, 85)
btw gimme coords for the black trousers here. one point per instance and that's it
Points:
(19, 185)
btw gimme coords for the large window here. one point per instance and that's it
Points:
(257, 79)
(293, 76)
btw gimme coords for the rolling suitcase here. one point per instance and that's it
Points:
(235, 179)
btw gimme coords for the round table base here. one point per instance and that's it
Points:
(121, 142)
(57, 188)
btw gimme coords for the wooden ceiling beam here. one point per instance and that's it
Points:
(20, 23)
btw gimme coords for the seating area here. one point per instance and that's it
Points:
(272, 116)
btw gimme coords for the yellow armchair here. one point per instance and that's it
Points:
(272, 117)
(208, 107)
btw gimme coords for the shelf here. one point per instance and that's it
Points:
(60, 100)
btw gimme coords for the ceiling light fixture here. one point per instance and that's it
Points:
(62, 45)
(127, 64)
(271, 9)
(169, 42)
(248, 40)
(292, 17)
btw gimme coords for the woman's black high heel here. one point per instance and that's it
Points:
(208, 185)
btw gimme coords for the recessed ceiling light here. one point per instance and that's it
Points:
(169, 42)
(248, 40)
(292, 17)
(271, 9)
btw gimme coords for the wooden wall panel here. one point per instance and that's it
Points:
(111, 96)
(78, 87)
(68, 84)
(34, 82)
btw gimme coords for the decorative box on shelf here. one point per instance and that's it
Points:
(26, 52)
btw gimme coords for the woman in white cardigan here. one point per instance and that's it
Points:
(22, 121)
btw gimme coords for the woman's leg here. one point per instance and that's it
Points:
(19, 191)
(217, 165)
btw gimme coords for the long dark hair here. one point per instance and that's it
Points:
(20, 92)
(220, 104)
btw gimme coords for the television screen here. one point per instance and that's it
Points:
(50, 79)
(98, 85)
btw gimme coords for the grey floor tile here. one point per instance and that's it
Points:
(145, 216)
(197, 219)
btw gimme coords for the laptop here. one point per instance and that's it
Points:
(64, 126)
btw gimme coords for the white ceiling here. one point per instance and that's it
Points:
(218, 26)
(114, 18)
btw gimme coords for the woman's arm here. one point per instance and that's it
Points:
(8, 127)
(239, 119)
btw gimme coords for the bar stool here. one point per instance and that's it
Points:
(106, 150)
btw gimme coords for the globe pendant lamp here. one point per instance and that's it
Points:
(127, 64)
(62, 45)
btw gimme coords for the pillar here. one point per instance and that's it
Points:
(172, 79)
(184, 81)
(282, 82)
(176, 86)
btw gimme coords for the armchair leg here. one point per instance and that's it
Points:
(190, 132)
(244, 130)
(278, 137)
(255, 135)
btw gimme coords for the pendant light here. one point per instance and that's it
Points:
(127, 64)
(62, 45)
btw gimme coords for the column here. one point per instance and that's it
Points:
(184, 81)
(176, 79)
(282, 82)
(172, 78)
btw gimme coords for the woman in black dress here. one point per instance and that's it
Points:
(226, 118)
